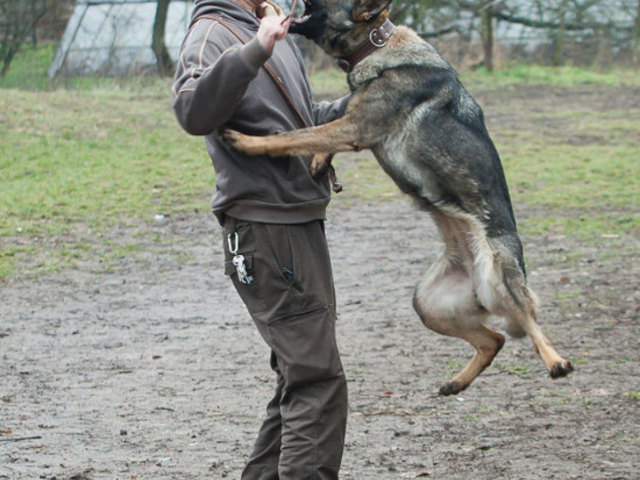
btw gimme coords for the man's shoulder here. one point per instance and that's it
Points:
(211, 26)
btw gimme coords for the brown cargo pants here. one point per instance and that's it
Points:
(291, 299)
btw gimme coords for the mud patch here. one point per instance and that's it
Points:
(155, 370)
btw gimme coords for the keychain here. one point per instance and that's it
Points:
(238, 260)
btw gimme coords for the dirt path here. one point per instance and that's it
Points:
(155, 371)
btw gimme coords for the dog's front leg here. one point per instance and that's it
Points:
(337, 136)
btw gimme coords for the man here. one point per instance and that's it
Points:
(272, 213)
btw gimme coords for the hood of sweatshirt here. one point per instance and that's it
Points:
(227, 9)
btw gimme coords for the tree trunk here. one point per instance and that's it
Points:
(6, 61)
(158, 46)
(486, 32)
(557, 53)
(636, 38)
(34, 33)
(19, 22)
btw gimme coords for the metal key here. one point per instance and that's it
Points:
(238, 260)
(241, 269)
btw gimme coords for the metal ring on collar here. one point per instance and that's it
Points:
(377, 43)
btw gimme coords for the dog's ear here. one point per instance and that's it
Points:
(367, 9)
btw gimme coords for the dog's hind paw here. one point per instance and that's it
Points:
(451, 388)
(561, 369)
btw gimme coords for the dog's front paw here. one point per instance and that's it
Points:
(320, 163)
(561, 369)
(243, 143)
(234, 139)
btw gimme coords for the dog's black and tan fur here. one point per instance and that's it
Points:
(428, 134)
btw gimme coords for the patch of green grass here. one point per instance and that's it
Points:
(28, 71)
(110, 152)
(586, 172)
(29, 68)
(565, 296)
(96, 157)
(565, 76)
(452, 367)
(574, 176)
(363, 179)
(331, 83)
(583, 224)
(521, 371)
(328, 84)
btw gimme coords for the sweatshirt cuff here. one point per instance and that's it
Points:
(253, 54)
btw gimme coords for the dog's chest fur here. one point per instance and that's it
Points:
(402, 123)
(394, 158)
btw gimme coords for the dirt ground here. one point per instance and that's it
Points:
(151, 369)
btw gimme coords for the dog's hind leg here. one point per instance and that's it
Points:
(526, 318)
(509, 296)
(446, 302)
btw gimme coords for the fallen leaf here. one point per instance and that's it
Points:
(6, 432)
(386, 393)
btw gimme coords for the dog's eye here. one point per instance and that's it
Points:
(343, 26)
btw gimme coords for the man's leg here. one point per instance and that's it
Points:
(292, 302)
(263, 463)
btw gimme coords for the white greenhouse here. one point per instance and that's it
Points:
(113, 37)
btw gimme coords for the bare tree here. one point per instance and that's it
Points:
(562, 22)
(614, 21)
(18, 20)
(165, 66)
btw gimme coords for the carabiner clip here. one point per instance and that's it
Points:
(233, 245)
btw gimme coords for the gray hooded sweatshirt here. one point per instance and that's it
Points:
(219, 83)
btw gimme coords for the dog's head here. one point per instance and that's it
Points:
(338, 26)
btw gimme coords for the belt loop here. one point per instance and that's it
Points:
(230, 224)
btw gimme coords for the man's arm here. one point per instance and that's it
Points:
(325, 112)
(209, 83)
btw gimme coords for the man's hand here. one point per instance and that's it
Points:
(272, 29)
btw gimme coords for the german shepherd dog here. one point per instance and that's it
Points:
(408, 106)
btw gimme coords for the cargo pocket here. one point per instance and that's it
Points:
(305, 346)
(267, 288)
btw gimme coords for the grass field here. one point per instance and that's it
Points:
(108, 153)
